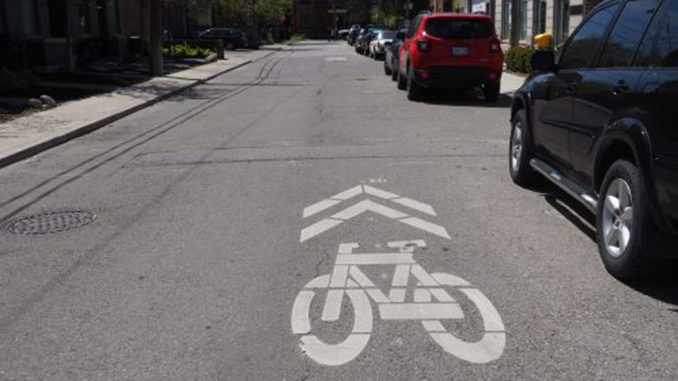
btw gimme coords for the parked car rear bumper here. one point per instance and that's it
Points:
(446, 77)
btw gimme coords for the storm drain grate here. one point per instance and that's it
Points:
(49, 222)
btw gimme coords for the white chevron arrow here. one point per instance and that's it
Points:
(364, 206)
(366, 189)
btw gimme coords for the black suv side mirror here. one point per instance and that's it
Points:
(400, 35)
(543, 61)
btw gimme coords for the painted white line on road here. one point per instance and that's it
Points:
(319, 207)
(375, 259)
(345, 195)
(364, 206)
(379, 193)
(318, 228)
(410, 311)
(427, 226)
(414, 204)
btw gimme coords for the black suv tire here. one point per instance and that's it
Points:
(521, 151)
(629, 263)
(415, 92)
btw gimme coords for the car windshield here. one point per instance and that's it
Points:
(388, 35)
(453, 27)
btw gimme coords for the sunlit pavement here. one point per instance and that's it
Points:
(218, 223)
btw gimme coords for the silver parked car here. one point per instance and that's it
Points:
(378, 45)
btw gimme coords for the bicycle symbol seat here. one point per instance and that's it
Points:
(432, 303)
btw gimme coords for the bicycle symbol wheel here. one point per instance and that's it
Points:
(489, 348)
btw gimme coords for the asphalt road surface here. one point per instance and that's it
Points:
(216, 208)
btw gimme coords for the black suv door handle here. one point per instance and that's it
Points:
(620, 87)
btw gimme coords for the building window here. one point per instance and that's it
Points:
(539, 10)
(84, 17)
(29, 17)
(57, 18)
(523, 20)
(2, 18)
(561, 14)
(506, 19)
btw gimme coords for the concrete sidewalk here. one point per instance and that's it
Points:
(510, 83)
(23, 137)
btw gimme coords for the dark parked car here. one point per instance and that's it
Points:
(353, 34)
(233, 38)
(392, 54)
(600, 121)
(342, 34)
(366, 34)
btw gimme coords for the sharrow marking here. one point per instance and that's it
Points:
(427, 226)
(414, 204)
(319, 207)
(379, 193)
(317, 228)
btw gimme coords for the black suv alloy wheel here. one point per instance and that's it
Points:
(620, 217)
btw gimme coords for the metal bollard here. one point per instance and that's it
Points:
(220, 49)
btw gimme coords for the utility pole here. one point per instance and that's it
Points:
(155, 23)
(255, 26)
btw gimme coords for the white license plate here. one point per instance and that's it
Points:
(459, 51)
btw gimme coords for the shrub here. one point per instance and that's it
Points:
(15, 83)
(297, 37)
(184, 50)
(518, 59)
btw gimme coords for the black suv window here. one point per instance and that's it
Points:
(665, 52)
(583, 45)
(454, 27)
(627, 33)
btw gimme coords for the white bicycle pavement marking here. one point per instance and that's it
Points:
(347, 279)
(432, 302)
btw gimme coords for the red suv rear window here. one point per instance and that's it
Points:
(454, 27)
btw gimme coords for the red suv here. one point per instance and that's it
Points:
(454, 51)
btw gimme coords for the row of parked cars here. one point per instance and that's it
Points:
(599, 118)
(451, 52)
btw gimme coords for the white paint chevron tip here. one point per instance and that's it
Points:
(379, 193)
(319, 207)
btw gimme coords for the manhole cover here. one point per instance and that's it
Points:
(49, 222)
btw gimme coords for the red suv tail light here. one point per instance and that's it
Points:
(423, 45)
(495, 46)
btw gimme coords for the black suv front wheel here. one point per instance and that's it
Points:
(520, 151)
(621, 216)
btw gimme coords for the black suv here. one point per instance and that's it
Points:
(233, 38)
(601, 122)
